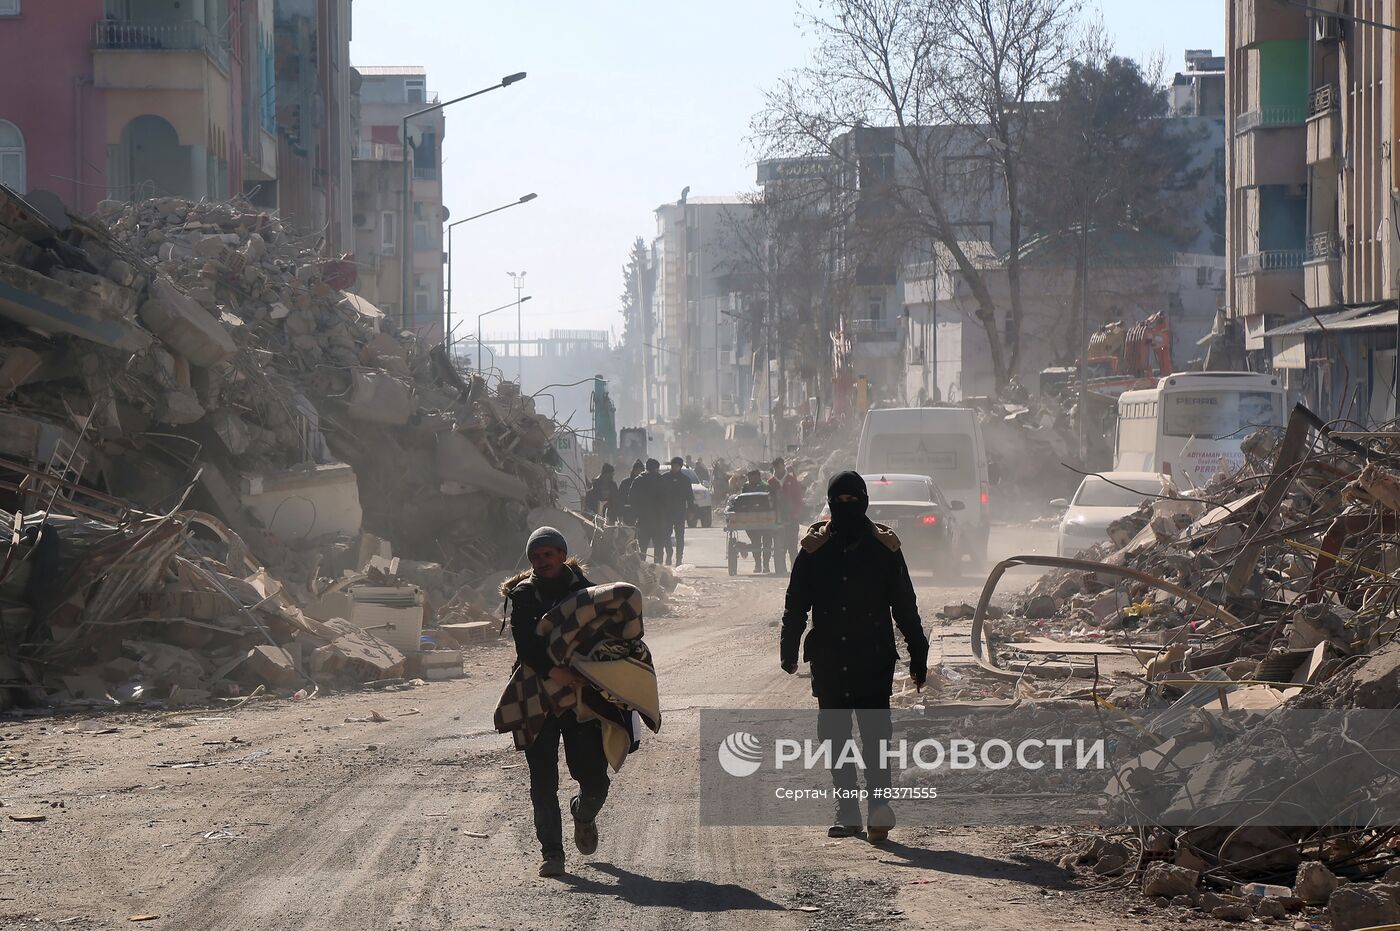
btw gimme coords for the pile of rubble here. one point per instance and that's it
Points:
(1271, 591)
(172, 370)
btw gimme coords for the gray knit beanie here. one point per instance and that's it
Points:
(546, 536)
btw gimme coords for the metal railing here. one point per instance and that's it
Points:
(1281, 115)
(876, 329)
(1324, 245)
(1272, 260)
(1322, 99)
(425, 173)
(186, 36)
(379, 152)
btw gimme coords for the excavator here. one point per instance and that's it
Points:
(1121, 358)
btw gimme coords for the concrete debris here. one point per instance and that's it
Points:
(1273, 586)
(191, 396)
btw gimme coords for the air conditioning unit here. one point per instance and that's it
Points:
(387, 249)
(1328, 28)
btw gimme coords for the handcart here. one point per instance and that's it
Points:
(749, 512)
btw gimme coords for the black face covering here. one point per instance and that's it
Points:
(847, 517)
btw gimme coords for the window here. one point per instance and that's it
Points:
(9, 7)
(415, 90)
(875, 306)
(420, 238)
(387, 228)
(11, 153)
(420, 304)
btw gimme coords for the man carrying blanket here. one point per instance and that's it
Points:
(581, 671)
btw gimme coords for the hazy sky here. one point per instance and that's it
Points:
(625, 104)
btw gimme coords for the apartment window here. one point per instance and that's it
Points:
(415, 90)
(425, 157)
(420, 238)
(420, 305)
(875, 306)
(387, 226)
(11, 154)
(9, 7)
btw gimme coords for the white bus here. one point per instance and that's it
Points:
(1191, 424)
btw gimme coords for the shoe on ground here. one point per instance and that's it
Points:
(843, 830)
(881, 820)
(585, 832)
(552, 866)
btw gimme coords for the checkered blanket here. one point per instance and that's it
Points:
(597, 632)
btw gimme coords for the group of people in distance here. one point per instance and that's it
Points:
(659, 503)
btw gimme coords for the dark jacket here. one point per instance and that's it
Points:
(648, 500)
(680, 495)
(852, 591)
(530, 599)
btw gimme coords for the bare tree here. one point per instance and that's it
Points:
(938, 78)
(783, 255)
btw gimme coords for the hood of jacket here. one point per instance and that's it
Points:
(509, 585)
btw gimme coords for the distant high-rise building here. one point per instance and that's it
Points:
(384, 238)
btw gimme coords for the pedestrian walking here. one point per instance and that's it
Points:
(649, 500)
(552, 578)
(760, 541)
(680, 499)
(851, 577)
(583, 677)
(602, 492)
(787, 501)
(721, 478)
(624, 494)
(701, 472)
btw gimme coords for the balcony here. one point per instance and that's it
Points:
(1265, 282)
(378, 152)
(1270, 118)
(1273, 260)
(1322, 270)
(1276, 157)
(869, 330)
(1324, 126)
(1268, 20)
(160, 37)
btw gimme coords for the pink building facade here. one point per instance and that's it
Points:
(53, 121)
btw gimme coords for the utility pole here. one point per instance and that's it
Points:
(519, 279)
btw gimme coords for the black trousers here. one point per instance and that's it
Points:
(843, 699)
(653, 535)
(588, 765)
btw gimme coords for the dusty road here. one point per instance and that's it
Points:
(306, 815)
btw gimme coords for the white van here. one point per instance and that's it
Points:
(944, 443)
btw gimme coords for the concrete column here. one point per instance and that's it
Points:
(199, 171)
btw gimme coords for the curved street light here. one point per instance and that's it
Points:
(407, 260)
(524, 199)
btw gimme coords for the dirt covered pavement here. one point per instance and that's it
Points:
(317, 814)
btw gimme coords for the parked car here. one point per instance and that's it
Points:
(943, 443)
(703, 511)
(1099, 501)
(929, 526)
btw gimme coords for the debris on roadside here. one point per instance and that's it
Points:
(221, 470)
(1273, 589)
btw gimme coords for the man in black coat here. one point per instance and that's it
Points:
(851, 576)
(680, 498)
(650, 503)
(552, 578)
(624, 494)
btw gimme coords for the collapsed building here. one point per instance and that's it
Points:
(1238, 608)
(222, 471)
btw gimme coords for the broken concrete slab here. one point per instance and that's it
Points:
(184, 326)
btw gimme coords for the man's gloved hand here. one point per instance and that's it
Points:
(919, 675)
(789, 668)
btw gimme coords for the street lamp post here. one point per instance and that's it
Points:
(515, 303)
(453, 225)
(406, 261)
(519, 279)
